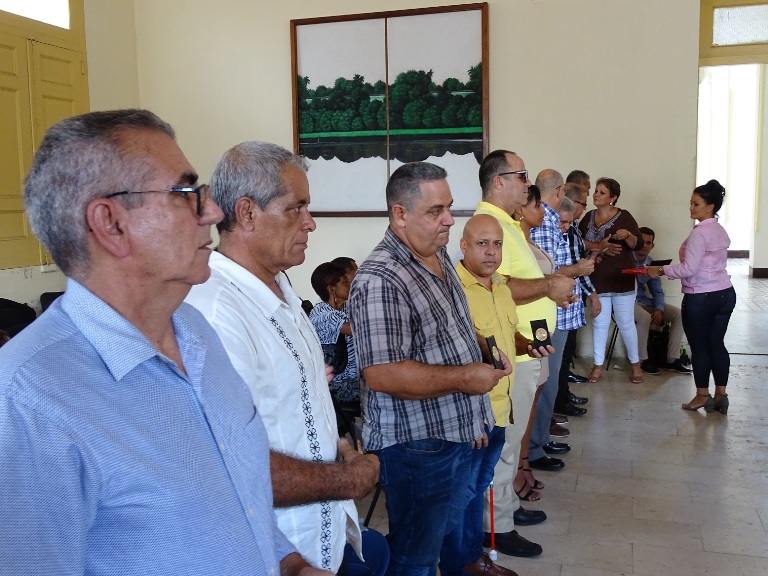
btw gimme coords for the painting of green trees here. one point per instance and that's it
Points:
(354, 111)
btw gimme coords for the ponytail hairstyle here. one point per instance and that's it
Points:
(712, 193)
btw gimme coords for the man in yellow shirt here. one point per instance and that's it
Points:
(493, 314)
(504, 183)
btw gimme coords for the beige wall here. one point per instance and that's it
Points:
(113, 74)
(609, 86)
(113, 83)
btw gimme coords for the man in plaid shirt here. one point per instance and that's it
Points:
(423, 386)
(564, 403)
(550, 239)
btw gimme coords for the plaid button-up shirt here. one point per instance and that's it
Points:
(400, 311)
(550, 239)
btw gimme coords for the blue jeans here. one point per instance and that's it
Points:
(376, 552)
(705, 320)
(464, 544)
(546, 403)
(424, 482)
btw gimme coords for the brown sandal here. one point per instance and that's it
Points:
(636, 377)
(595, 374)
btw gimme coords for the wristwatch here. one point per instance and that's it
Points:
(661, 270)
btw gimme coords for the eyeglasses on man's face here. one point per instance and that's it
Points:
(522, 174)
(584, 204)
(202, 193)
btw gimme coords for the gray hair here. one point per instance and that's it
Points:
(566, 206)
(80, 159)
(573, 191)
(253, 169)
(404, 186)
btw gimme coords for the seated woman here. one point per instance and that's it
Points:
(330, 320)
(349, 265)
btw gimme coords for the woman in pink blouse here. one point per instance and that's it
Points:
(709, 297)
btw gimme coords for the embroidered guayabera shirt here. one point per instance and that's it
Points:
(275, 349)
(400, 311)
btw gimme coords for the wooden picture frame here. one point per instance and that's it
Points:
(372, 91)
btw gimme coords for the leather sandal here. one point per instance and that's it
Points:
(537, 484)
(526, 492)
(595, 374)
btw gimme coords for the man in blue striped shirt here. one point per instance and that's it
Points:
(128, 443)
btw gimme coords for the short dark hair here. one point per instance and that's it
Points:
(648, 232)
(534, 194)
(345, 262)
(578, 177)
(614, 188)
(491, 165)
(712, 193)
(573, 190)
(404, 186)
(327, 274)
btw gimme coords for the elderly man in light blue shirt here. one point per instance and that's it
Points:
(128, 443)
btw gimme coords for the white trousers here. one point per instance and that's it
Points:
(623, 308)
(505, 501)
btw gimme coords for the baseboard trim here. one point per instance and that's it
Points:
(758, 272)
(738, 253)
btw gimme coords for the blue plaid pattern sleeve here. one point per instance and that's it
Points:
(576, 251)
(549, 237)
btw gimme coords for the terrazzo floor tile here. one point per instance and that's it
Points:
(650, 489)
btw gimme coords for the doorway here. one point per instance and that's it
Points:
(728, 142)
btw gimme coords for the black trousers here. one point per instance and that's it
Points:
(705, 320)
(569, 351)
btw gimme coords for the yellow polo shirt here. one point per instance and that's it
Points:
(493, 314)
(517, 261)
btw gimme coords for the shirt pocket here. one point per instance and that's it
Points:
(486, 323)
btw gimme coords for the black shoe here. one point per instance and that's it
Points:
(547, 464)
(512, 544)
(676, 366)
(573, 399)
(556, 448)
(649, 367)
(569, 409)
(525, 517)
(576, 378)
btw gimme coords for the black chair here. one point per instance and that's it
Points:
(656, 333)
(346, 412)
(47, 298)
(15, 316)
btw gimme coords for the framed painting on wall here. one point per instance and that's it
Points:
(374, 91)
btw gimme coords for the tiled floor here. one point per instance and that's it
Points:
(651, 489)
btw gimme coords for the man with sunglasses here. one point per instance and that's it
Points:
(128, 443)
(504, 183)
